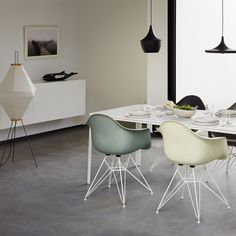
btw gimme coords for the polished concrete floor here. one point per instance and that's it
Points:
(49, 200)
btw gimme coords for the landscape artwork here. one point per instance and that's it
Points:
(41, 41)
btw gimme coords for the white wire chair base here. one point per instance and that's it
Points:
(226, 163)
(154, 164)
(195, 197)
(113, 170)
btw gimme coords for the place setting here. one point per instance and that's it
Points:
(205, 120)
(226, 116)
(222, 117)
(223, 112)
(208, 117)
(138, 114)
(146, 111)
(152, 112)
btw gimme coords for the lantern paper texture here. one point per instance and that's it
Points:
(16, 92)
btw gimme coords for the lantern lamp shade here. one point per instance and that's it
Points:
(16, 92)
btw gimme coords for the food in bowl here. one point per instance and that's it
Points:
(185, 107)
(169, 105)
(185, 111)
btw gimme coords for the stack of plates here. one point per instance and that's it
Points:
(139, 114)
(221, 113)
(204, 120)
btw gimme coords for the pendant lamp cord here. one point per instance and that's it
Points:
(16, 57)
(150, 12)
(222, 17)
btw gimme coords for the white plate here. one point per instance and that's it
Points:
(206, 123)
(139, 113)
(205, 119)
(169, 112)
(228, 112)
(139, 117)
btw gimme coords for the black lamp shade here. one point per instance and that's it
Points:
(221, 48)
(150, 44)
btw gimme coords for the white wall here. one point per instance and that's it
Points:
(15, 14)
(113, 62)
(211, 76)
(99, 39)
(157, 62)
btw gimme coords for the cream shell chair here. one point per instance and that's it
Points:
(191, 100)
(116, 143)
(187, 149)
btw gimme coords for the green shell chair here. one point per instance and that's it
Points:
(116, 143)
(189, 150)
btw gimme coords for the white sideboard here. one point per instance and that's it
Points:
(53, 101)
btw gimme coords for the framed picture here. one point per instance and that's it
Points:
(41, 41)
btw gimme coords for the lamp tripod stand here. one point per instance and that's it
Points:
(11, 139)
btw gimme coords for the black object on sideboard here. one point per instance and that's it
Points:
(58, 76)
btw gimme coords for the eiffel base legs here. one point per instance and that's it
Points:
(186, 179)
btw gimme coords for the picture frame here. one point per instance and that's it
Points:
(41, 41)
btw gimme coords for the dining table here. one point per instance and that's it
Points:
(157, 116)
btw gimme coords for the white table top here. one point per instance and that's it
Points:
(120, 114)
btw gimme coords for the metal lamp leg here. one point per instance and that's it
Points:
(28, 142)
(11, 139)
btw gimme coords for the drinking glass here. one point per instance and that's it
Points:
(226, 118)
(210, 110)
(147, 104)
(158, 114)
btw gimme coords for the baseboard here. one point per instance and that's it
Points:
(45, 127)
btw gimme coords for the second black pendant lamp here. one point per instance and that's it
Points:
(221, 48)
(150, 44)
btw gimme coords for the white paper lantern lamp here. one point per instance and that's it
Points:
(16, 93)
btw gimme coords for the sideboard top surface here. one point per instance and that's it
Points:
(41, 81)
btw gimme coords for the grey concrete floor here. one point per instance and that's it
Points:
(49, 200)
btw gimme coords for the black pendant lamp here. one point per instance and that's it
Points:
(221, 48)
(150, 44)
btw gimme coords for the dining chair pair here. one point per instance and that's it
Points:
(181, 146)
